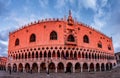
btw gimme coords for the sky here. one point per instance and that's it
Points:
(103, 15)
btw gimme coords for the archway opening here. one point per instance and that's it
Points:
(107, 66)
(85, 67)
(91, 67)
(14, 68)
(51, 67)
(58, 54)
(49, 54)
(102, 67)
(71, 38)
(77, 67)
(97, 67)
(27, 67)
(69, 67)
(20, 67)
(42, 67)
(110, 66)
(35, 68)
(71, 55)
(60, 67)
(9, 67)
(53, 54)
(79, 55)
(62, 55)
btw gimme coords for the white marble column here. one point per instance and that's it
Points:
(73, 69)
(56, 69)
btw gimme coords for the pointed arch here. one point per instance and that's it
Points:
(85, 39)
(34, 67)
(53, 35)
(27, 67)
(14, 67)
(49, 54)
(43, 67)
(32, 38)
(71, 38)
(60, 67)
(53, 54)
(51, 67)
(99, 44)
(58, 54)
(85, 67)
(17, 42)
(97, 67)
(109, 47)
(91, 67)
(69, 67)
(77, 67)
(20, 67)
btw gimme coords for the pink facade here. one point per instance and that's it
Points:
(59, 41)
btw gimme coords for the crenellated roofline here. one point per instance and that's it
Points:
(59, 19)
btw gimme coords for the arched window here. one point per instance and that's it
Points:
(32, 38)
(53, 35)
(71, 38)
(17, 42)
(109, 47)
(85, 39)
(99, 44)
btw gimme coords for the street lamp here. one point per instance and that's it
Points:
(48, 62)
(10, 60)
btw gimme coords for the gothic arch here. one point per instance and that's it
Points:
(99, 44)
(79, 55)
(45, 54)
(58, 54)
(91, 67)
(53, 35)
(85, 39)
(17, 42)
(34, 67)
(77, 67)
(69, 67)
(71, 38)
(102, 67)
(60, 67)
(27, 67)
(40, 54)
(97, 67)
(36, 54)
(51, 67)
(14, 67)
(32, 38)
(49, 54)
(42, 67)
(85, 67)
(71, 55)
(53, 54)
(20, 67)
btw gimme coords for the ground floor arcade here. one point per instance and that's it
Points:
(61, 66)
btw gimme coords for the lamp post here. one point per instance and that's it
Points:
(10, 60)
(48, 67)
(47, 62)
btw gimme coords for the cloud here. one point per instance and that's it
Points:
(43, 3)
(99, 23)
(4, 41)
(4, 7)
(60, 4)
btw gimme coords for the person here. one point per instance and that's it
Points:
(31, 71)
(10, 71)
(48, 71)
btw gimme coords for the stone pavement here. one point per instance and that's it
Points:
(106, 74)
